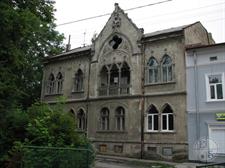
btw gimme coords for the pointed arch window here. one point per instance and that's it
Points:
(51, 84)
(152, 119)
(120, 118)
(59, 83)
(124, 79)
(81, 120)
(114, 75)
(79, 81)
(167, 118)
(104, 117)
(167, 69)
(153, 70)
(115, 79)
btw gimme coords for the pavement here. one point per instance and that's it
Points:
(105, 161)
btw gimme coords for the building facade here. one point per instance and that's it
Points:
(128, 89)
(206, 102)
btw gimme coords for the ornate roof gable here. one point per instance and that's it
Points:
(118, 23)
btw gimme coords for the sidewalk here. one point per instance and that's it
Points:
(105, 160)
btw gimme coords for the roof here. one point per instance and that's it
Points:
(166, 31)
(205, 46)
(152, 34)
(75, 50)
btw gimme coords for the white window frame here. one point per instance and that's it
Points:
(167, 124)
(208, 93)
(152, 116)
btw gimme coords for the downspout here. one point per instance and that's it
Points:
(88, 92)
(196, 96)
(142, 101)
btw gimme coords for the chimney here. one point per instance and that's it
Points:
(68, 46)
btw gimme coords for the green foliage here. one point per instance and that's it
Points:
(27, 36)
(50, 126)
(42, 125)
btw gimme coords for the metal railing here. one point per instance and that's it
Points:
(114, 90)
(55, 157)
(213, 165)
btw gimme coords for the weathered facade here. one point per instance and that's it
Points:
(206, 102)
(128, 89)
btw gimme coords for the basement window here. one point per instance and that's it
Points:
(118, 148)
(102, 148)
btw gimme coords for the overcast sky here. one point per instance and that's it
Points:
(211, 13)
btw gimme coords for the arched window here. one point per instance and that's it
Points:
(152, 119)
(59, 82)
(79, 81)
(114, 75)
(81, 120)
(104, 117)
(115, 79)
(167, 118)
(153, 70)
(72, 112)
(167, 69)
(120, 119)
(51, 84)
(124, 79)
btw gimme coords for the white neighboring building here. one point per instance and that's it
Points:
(205, 67)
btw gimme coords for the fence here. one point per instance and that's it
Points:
(54, 157)
(213, 165)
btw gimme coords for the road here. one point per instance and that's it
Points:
(101, 164)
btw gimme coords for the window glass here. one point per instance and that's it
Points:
(219, 91)
(170, 122)
(164, 122)
(156, 125)
(150, 122)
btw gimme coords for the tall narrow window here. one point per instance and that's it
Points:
(51, 84)
(120, 119)
(153, 70)
(79, 81)
(114, 75)
(167, 118)
(215, 86)
(125, 79)
(104, 119)
(114, 80)
(59, 82)
(167, 69)
(152, 119)
(81, 120)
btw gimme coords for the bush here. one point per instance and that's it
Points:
(49, 130)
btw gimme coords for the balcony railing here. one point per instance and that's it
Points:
(114, 90)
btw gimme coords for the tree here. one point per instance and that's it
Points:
(42, 125)
(27, 35)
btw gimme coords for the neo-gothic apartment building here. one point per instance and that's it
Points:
(127, 90)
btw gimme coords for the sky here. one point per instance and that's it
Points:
(211, 13)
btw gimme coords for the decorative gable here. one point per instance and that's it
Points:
(119, 34)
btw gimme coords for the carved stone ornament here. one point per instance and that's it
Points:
(116, 18)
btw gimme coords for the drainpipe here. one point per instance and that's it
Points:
(142, 100)
(88, 92)
(196, 96)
